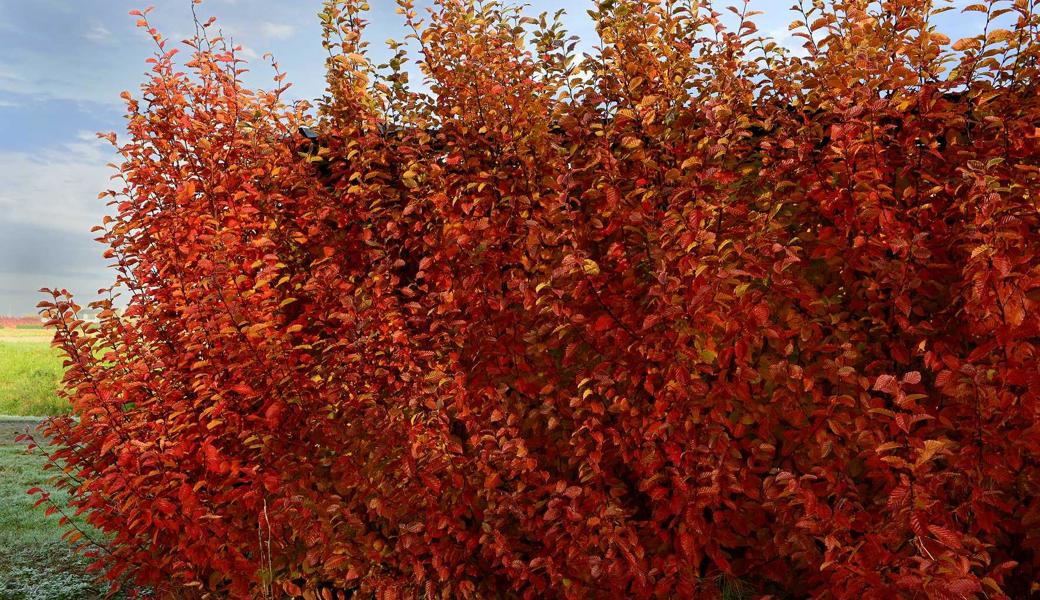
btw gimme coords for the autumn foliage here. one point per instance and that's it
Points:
(675, 313)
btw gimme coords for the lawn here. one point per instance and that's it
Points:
(29, 373)
(35, 563)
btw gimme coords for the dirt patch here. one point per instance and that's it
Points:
(11, 428)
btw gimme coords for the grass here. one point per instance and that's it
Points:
(29, 373)
(35, 563)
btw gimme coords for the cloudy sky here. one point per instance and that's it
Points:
(63, 64)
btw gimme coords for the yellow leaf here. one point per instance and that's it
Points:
(590, 267)
(999, 35)
(931, 447)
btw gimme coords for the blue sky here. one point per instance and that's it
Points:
(63, 64)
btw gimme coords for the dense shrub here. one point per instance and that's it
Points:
(687, 313)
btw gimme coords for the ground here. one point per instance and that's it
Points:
(35, 563)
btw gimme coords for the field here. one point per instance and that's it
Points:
(29, 373)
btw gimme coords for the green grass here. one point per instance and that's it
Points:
(35, 563)
(29, 373)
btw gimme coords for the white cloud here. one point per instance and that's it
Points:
(11, 81)
(56, 187)
(785, 38)
(278, 31)
(51, 77)
(98, 34)
(248, 52)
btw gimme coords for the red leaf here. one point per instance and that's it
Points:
(885, 383)
(603, 323)
(947, 537)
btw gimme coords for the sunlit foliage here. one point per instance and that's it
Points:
(687, 313)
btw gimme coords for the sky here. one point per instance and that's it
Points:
(63, 64)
